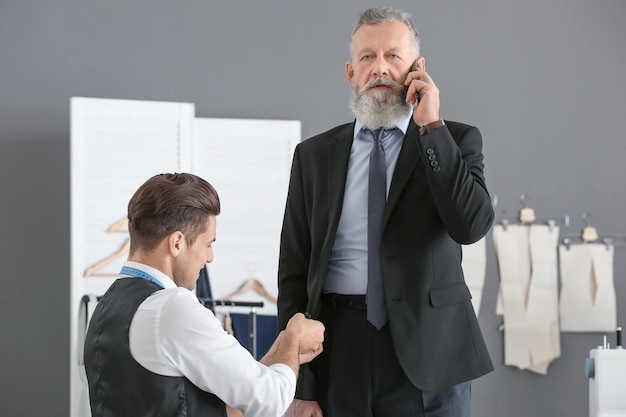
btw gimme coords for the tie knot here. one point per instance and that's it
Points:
(377, 134)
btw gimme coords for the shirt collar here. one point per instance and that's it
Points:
(164, 279)
(403, 125)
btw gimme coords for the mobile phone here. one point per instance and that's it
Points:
(414, 67)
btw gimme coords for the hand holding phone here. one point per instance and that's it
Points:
(415, 67)
(424, 94)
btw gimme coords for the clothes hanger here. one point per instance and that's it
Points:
(527, 215)
(252, 284)
(589, 234)
(120, 226)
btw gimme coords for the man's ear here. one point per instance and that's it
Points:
(175, 241)
(349, 72)
(422, 62)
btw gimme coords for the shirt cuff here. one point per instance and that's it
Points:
(285, 370)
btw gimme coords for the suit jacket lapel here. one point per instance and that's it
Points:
(407, 159)
(338, 157)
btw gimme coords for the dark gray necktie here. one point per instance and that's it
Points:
(376, 199)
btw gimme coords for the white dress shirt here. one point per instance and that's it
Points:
(173, 334)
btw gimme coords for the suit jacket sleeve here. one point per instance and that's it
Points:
(295, 248)
(454, 160)
(438, 201)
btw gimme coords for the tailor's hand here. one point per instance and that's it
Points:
(302, 408)
(306, 357)
(310, 336)
(233, 412)
(427, 109)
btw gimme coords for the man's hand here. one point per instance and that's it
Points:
(427, 109)
(302, 408)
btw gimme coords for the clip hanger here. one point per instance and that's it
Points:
(527, 215)
(589, 234)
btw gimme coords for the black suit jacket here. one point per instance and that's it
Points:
(437, 201)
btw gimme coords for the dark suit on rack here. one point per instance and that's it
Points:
(436, 202)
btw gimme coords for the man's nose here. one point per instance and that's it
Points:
(380, 67)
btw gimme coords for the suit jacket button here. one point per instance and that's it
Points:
(434, 163)
(430, 151)
(436, 169)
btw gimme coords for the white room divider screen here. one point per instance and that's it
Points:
(118, 144)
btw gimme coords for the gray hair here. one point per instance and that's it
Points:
(376, 15)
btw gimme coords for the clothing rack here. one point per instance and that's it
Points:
(253, 305)
(606, 240)
(83, 310)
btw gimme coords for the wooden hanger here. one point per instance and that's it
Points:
(252, 284)
(527, 215)
(120, 226)
(589, 234)
(92, 270)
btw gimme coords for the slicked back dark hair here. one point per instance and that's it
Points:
(167, 203)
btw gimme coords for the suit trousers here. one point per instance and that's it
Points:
(359, 375)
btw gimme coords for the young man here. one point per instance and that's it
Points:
(376, 214)
(153, 350)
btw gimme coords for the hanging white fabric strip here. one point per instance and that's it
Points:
(588, 301)
(542, 308)
(474, 266)
(528, 295)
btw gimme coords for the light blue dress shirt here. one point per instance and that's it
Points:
(347, 267)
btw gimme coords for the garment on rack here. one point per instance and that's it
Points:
(203, 287)
(528, 294)
(474, 266)
(265, 331)
(588, 301)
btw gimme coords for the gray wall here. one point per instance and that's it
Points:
(544, 80)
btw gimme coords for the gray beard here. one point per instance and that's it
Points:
(379, 110)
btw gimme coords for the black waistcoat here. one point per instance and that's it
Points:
(121, 387)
